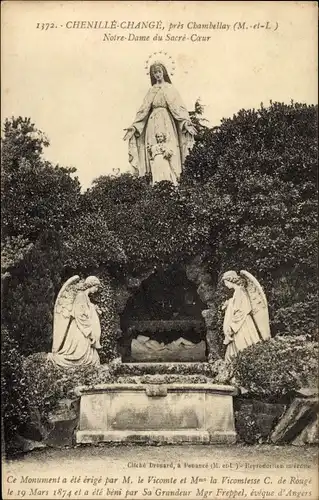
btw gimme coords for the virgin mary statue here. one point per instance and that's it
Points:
(162, 129)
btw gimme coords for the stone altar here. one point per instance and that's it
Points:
(157, 413)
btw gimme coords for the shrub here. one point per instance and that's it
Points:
(109, 319)
(255, 177)
(299, 318)
(88, 243)
(13, 251)
(47, 384)
(247, 428)
(274, 369)
(166, 379)
(156, 225)
(280, 138)
(29, 299)
(151, 369)
(14, 408)
(36, 196)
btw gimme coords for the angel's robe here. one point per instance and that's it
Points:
(161, 112)
(82, 335)
(239, 328)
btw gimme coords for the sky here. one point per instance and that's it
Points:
(83, 91)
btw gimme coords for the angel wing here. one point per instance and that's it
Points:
(62, 311)
(258, 304)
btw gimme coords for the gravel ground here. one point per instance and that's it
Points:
(122, 455)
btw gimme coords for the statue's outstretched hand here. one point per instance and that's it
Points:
(129, 133)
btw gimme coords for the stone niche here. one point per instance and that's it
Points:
(172, 413)
(164, 318)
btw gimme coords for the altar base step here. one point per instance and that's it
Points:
(155, 437)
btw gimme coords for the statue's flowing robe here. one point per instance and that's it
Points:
(161, 112)
(239, 322)
(82, 336)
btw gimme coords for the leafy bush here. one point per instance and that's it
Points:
(131, 369)
(166, 379)
(300, 318)
(274, 369)
(219, 371)
(38, 200)
(47, 384)
(156, 225)
(88, 244)
(110, 330)
(107, 192)
(29, 299)
(14, 408)
(280, 138)
(247, 428)
(254, 177)
(36, 196)
(13, 251)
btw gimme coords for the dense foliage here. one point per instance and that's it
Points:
(38, 200)
(28, 301)
(36, 196)
(256, 177)
(47, 383)
(247, 200)
(14, 409)
(276, 368)
(156, 225)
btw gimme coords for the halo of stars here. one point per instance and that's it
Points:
(161, 57)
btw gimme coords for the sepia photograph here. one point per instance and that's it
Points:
(159, 255)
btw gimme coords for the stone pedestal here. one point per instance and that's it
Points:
(164, 413)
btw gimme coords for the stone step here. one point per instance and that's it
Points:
(145, 437)
(188, 368)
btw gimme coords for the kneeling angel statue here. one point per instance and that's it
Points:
(246, 319)
(76, 324)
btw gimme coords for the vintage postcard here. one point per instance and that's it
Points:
(159, 250)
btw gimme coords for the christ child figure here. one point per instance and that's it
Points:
(160, 156)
